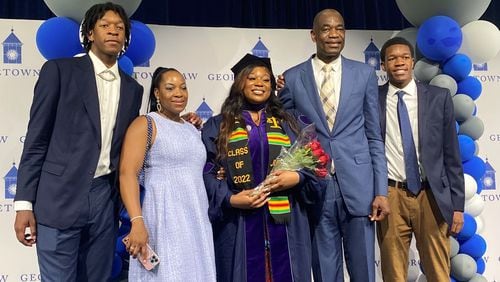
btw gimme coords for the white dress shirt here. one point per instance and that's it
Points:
(393, 142)
(319, 75)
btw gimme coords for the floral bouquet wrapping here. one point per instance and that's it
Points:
(305, 153)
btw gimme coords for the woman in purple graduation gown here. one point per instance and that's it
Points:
(254, 242)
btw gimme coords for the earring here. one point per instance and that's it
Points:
(158, 105)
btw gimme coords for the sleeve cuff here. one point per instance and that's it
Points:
(23, 206)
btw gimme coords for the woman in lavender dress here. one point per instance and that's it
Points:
(173, 218)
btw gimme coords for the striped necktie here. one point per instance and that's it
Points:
(327, 95)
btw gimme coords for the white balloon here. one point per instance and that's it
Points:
(474, 206)
(463, 267)
(480, 224)
(445, 81)
(454, 247)
(470, 186)
(76, 9)
(480, 41)
(478, 278)
(426, 70)
(462, 11)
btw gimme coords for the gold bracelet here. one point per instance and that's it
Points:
(136, 217)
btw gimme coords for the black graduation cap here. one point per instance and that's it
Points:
(251, 60)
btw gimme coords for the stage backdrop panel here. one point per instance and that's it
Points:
(205, 56)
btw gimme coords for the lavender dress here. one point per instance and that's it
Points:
(175, 207)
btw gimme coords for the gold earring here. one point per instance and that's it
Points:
(158, 105)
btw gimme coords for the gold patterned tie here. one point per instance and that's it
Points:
(327, 95)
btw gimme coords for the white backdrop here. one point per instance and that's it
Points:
(204, 56)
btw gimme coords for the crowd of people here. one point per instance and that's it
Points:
(201, 215)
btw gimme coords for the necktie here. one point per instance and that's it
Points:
(409, 152)
(327, 95)
(107, 75)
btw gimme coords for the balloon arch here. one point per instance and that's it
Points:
(446, 37)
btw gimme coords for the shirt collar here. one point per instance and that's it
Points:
(410, 89)
(99, 66)
(318, 64)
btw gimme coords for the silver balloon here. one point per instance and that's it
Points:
(422, 278)
(445, 81)
(476, 152)
(478, 278)
(462, 11)
(464, 106)
(426, 70)
(474, 206)
(472, 127)
(76, 9)
(463, 267)
(481, 41)
(455, 246)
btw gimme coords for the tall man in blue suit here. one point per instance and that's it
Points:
(66, 192)
(340, 96)
(433, 207)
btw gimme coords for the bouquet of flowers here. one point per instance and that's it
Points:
(305, 153)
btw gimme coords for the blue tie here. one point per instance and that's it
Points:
(410, 155)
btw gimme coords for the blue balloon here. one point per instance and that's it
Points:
(439, 38)
(470, 86)
(58, 37)
(117, 266)
(469, 228)
(475, 167)
(142, 43)
(126, 65)
(120, 247)
(481, 265)
(458, 67)
(474, 247)
(452, 279)
(467, 147)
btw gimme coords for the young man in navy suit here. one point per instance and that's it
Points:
(340, 96)
(66, 189)
(434, 208)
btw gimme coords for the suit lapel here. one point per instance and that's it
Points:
(309, 83)
(383, 108)
(422, 96)
(123, 106)
(88, 90)
(346, 86)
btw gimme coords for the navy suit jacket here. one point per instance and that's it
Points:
(355, 144)
(438, 146)
(63, 142)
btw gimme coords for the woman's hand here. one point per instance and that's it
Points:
(249, 199)
(137, 239)
(282, 180)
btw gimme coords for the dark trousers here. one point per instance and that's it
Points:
(337, 233)
(85, 251)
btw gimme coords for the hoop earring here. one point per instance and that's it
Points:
(158, 105)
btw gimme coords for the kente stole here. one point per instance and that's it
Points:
(242, 171)
(252, 150)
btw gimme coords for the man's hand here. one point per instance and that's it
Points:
(380, 208)
(458, 222)
(193, 119)
(280, 82)
(25, 219)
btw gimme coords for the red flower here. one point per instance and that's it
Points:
(318, 152)
(314, 145)
(323, 159)
(321, 172)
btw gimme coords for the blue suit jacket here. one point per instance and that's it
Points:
(438, 146)
(355, 144)
(63, 142)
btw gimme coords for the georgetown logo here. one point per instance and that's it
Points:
(10, 180)
(12, 49)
